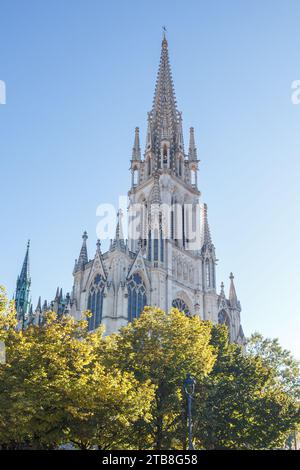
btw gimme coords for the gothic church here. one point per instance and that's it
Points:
(151, 268)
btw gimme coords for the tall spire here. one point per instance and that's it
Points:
(83, 256)
(164, 121)
(192, 146)
(232, 292)
(136, 151)
(22, 300)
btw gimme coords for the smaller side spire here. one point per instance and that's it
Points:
(83, 255)
(136, 151)
(232, 292)
(192, 146)
(39, 305)
(22, 300)
(206, 237)
(118, 241)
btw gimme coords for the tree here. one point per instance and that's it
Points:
(239, 405)
(285, 369)
(54, 387)
(162, 348)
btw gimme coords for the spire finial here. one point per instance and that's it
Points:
(164, 41)
(85, 235)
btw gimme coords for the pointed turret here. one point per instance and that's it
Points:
(232, 292)
(192, 146)
(22, 301)
(118, 241)
(136, 150)
(39, 306)
(205, 230)
(83, 256)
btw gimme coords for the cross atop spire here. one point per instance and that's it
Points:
(164, 41)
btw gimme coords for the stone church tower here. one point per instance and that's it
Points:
(158, 265)
(169, 258)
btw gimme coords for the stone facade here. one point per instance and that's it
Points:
(170, 273)
(166, 261)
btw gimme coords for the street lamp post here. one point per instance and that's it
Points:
(189, 388)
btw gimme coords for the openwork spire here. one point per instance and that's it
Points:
(83, 256)
(164, 120)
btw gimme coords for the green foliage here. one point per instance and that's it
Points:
(55, 389)
(163, 348)
(62, 384)
(285, 369)
(241, 405)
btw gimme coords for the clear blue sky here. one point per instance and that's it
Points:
(80, 76)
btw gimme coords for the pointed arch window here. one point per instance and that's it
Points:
(181, 305)
(95, 302)
(137, 298)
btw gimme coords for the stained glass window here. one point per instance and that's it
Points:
(181, 305)
(137, 298)
(95, 302)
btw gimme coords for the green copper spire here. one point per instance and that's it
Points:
(23, 289)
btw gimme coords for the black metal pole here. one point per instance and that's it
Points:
(189, 388)
(189, 398)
